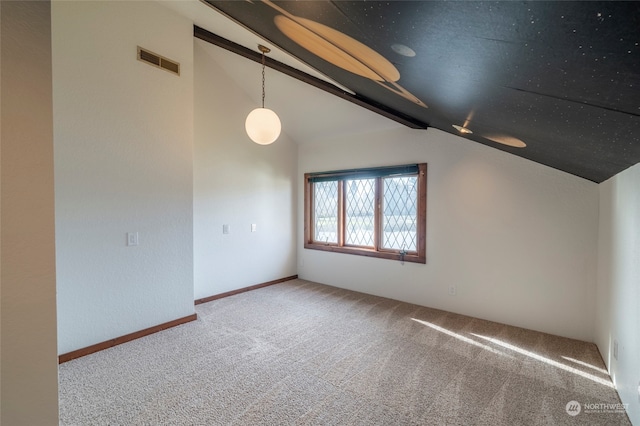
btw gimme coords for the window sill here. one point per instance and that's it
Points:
(359, 251)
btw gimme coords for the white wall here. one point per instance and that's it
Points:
(238, 183)
(28, 357)
(123, 163)
(618, 294)
(517, 239)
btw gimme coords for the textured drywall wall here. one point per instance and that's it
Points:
(28, 354)
(517, 239)
(238, 183)
(123, 137)
(618, 293)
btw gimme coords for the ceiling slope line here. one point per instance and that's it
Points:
(216, 40)
(582, 103)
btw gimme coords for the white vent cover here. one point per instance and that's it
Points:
(158, 61)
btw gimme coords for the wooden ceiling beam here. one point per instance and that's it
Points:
(373, 106)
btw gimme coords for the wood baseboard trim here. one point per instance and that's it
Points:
(244, 289)
(123, 339)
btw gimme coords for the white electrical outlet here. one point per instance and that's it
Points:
(226, 229)
(132, 238)
(254, 227)
(453, 290)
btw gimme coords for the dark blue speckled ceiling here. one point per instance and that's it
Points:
(561, 77)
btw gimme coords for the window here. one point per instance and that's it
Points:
(377, 212)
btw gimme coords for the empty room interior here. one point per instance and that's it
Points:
(133, 199)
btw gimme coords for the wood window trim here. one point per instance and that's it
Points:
(415, 257)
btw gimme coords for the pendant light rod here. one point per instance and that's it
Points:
(263, 49)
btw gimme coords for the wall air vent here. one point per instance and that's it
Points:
(156, 60)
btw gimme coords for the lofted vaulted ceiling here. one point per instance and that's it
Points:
(555, 82)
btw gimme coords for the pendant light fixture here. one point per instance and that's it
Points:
(262, 124)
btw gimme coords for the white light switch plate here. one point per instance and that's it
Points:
(132, 238)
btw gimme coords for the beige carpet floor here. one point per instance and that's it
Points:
(301, 353)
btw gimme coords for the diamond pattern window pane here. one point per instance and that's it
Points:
(360, 208)
(400, 213)
(325, 212)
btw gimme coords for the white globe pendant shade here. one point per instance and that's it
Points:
(263, 126)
